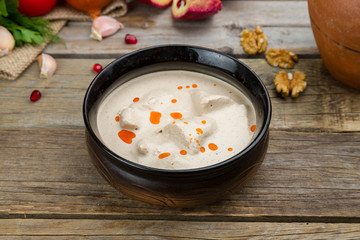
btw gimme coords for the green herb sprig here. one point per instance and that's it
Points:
(33, 30)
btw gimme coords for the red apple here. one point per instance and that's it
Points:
(35, 8)
(195, 9)
(158, 3)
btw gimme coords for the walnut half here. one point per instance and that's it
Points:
(253, 41)
(281, 58)
(286, 82)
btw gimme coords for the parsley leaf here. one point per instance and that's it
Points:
(33, 30)
(3, 11)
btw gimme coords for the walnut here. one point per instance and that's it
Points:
(286, 82)
(281, 58)
(253, 41)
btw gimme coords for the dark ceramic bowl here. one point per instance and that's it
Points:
(178, 188)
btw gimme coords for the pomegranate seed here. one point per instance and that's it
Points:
(35, 95)
(179, 3)
(130, 39)
(97, 68)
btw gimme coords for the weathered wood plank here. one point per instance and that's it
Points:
(225, 39)
(304, 175)
(326, 105)
(284, 25)
(127, 229)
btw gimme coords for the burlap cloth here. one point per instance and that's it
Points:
(12, 65)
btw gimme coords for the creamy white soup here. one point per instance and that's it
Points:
(176, 119)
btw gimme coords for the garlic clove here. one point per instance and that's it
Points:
(47, 65)
(7, 42)
(104, 26)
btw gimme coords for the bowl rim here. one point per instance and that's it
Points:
(252, 145)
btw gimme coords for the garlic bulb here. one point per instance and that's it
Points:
(47, 65)
(104, 26)
(7, 42)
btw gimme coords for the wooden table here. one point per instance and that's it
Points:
(307, 188)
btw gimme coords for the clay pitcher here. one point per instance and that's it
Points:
(336, 28)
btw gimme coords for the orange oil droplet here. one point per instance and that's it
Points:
(252, 128)
(173, 100)
(186, 123)
(194, 85)
(176, 115)
(155, 117)
(173, 122)
(179, 87)
(213, 146)
(136, 99)
(187, 86)
(203, 122)
(214, 84)
(164, 155)
(197, 141)
(117, 118)
(230, 92)
(199, 131)
(230, 149)
(183, 152)
(202, 149)
(126, 136)
(172, 163)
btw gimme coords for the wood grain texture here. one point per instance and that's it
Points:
(284, 24)
(307, 188)
(127, 229)
(47, 173)
(326, 105)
